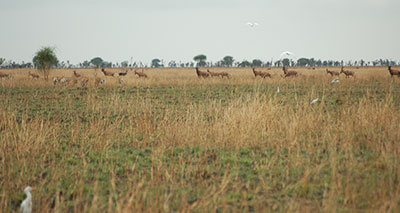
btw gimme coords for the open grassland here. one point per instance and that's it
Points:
(173, 142)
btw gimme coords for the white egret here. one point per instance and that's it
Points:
(314, 101)
(26, 205)
(336, 80)
(252, 24)
(286, 54)
(277, 90)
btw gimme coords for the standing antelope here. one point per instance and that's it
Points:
(4, 75)
(84, 81)
(141, 74)
(57, 79)
(332, 73)
(107, 73)
(289, 73)
(33, 75)
(99, 81)
(347, 73)
(77, 75)
(201, 74)
(256, 73)
(393, 72)
(123, 73)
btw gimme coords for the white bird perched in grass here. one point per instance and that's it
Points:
(26, 205)
(336, 80)
(252, 24)
(314, 101)
(277, 90)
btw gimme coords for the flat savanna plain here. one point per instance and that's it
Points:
(174, 142)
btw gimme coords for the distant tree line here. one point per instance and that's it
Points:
(201, 61)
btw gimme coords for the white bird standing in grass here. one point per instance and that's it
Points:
(277, 90)
(314, 101)
(26, 205)
(336, 80)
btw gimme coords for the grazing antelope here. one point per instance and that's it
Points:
(57, 79)
(289, 73)
(123, 73)
(98, 81)
(77, 75)
(107, 73)
(332, 73)
(265, 74)
(84, 81)
(4, 75)
(33, 75)
(347, 73)
(65, 81)
(224, 74)
(212, 74)
(141, 74)
(201, 74)
(393, 72)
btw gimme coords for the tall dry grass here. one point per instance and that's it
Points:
(202, 144)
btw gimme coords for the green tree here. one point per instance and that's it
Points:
(244, 63)
(2, 60)
(201, 60)
(97, 61)
(257, 63)
(155, 62)
(303, 62)
(285, 62)
(44, 59)
(124, 64)
(227, 61)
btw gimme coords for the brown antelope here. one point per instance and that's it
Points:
(347, 73)
(33, 75)
(212, 74)
(224, 74)
(393, 72)
(107, 73)
(201, 74)
(65, 81)
(57, 79)
(256, 73)
(265, 74)
(84, 81)
(77, 75)
(123, 73)
(289, 73)
(98, 81)
(332, 73)
(4, 75)
(141, 74)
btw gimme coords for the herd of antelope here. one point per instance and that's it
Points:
(83, 80)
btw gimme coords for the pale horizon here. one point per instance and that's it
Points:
(181, 29)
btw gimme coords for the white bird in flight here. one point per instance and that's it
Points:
(26, 205)
(314, 101)
(252, 24)
(336, 80)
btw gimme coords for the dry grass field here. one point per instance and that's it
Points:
(174, 142)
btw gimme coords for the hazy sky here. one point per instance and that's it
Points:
(180, 29)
